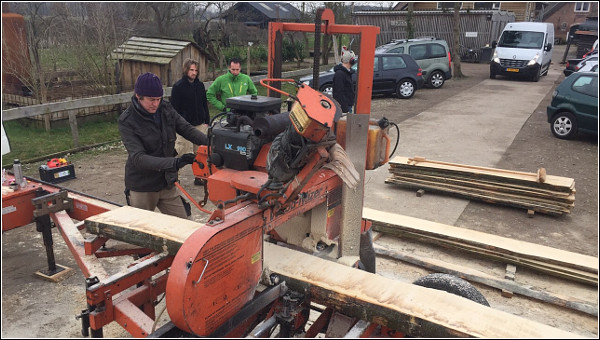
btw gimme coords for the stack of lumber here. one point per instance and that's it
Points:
(552, 261)
(537, 192)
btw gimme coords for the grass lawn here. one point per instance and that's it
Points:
(31, 142)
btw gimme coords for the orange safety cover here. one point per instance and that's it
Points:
(215, 272)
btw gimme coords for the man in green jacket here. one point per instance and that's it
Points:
(231, 84)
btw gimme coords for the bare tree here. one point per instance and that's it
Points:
(456, 35)
(91, 31)
(342, 16)
(167, 13)
(410, 25)
(212, 34)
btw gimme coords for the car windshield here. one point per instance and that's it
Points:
(521, 39)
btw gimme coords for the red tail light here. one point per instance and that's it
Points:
(419, 72)
(449, 60)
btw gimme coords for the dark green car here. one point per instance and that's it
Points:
(574, 106)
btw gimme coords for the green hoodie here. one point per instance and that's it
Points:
(227, 86)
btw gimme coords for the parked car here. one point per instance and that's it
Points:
(392, 73)
(574, 106)
(432, 56)
(574, 65)
(588, 65)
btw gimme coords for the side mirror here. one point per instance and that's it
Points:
(494, 44)
(548, 47)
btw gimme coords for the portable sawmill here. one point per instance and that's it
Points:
(287, 236)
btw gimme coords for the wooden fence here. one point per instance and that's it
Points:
(74, 106)
(478, 28)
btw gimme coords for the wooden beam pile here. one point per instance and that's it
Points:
(553, 195)
(556, 262)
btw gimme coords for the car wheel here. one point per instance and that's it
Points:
(492, 75)
(453, 285)
(405, 89)
(327, 88)
(564, 125)
(536, 77)
(436, 80)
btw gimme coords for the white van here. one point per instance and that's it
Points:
(524, 48)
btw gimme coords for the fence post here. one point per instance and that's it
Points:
(73, 125)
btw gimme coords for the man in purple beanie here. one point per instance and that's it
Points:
(148, 130)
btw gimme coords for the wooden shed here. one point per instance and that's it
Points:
(163, 57)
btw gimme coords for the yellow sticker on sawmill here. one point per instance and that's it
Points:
(299, 117)
(256, 257)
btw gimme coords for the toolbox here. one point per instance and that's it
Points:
(57, 174)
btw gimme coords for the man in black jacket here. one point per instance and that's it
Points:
(343, 86)
(148, 129)
(188, 97)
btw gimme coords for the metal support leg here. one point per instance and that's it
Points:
(44, 226)
(96, 333)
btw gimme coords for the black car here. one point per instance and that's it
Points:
(392, 73)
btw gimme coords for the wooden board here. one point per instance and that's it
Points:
(412, 309)
(485, 184)
(473, 275)
(486, 241)
(557, 183)
(550, 208)
(143, 228)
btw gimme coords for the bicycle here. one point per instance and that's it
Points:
(469, 55)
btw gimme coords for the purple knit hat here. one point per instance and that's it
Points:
(148, 85)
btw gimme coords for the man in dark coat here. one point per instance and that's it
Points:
(148, 128)
(343, 86)
(188, 97)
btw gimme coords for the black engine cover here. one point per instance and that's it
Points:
(237, 149)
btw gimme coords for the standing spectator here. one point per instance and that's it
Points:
(343, 86)
(188, 97)
(231, 84)
(148, 129)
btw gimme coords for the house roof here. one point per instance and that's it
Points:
(276, 10)
(152, 50)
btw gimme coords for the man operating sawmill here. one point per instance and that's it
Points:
(148, 130)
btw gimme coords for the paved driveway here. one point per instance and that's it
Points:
(475, 127)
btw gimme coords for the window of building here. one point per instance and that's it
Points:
(582, 7)
(447, 5)
(487, 5)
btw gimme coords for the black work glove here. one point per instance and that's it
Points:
(185, 159)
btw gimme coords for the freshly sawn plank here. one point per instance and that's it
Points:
(412, 309)
(143, 228)
(501, 246)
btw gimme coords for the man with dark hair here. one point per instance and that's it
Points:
(188, 97)
(148, 129)
(231, 84)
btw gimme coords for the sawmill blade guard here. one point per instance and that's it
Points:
(215, 272)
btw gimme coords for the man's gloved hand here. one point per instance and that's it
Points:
(185, 159)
